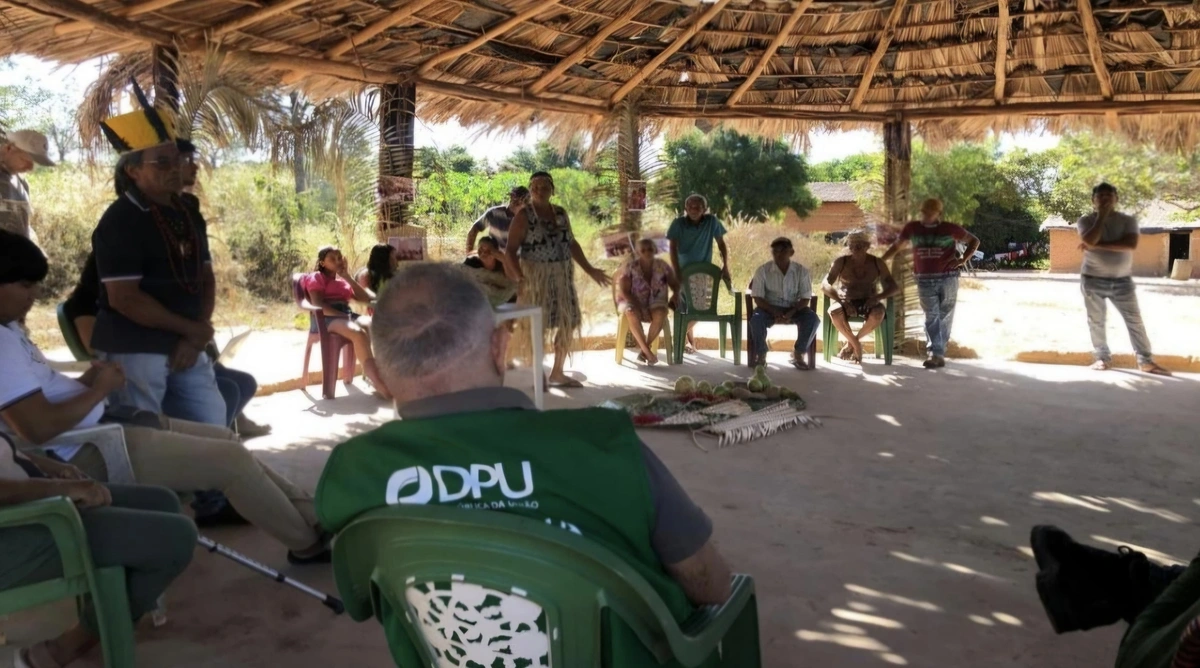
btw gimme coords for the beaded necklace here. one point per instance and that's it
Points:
(183, 245)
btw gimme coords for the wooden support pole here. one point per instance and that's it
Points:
(780, 38)
(897, 186)
(1003, 24)
(1094, 52)
(582, 52)
(164, 65)
(68, 27)
(377, 27)
(676, 44)
(397, 125)
(504, 26)
(629, 162)
(885, 40)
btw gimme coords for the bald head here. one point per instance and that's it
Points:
(434, 332)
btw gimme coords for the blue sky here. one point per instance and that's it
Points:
(492, 147)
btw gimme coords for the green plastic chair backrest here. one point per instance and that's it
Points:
(405, 553)
(71, 336)
(701, 283)
(60, 517)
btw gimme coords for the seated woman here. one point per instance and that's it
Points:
(642, 296)
(859, 283)
(381, 264)
(489, 265)
(330, 287)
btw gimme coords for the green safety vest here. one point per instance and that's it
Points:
(579, 469)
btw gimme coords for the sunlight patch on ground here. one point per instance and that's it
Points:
(993, 521)
(843, 639)
(894, 659)
(1161, 512)
(861, 607)
(889, 419)
(846, 628)
(1056, 497)
(901, 600)
(873, 620)
(1027, 551)
(1006, 618)
(886, 455)
(957, 568)
(1161, 557)
(981, 620)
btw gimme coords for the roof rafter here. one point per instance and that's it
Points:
(377, 27)
(1002, 27)
(678, 43)
(1088, 19)
(499, 29)
(260, 14)
(130, 11)
(584, 51)
(885, 40)
(100, 20)
(777, 42)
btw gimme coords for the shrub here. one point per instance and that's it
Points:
(67, 203)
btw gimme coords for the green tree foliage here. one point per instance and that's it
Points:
(998, 225)
(31, 106)
(430, 160)
(857, 167)
(546, 156)
(962, 178)
(740, 175)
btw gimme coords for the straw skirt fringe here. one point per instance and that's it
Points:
(550, 285)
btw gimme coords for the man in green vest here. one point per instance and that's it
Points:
(465, 440)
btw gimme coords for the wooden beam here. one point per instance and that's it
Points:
(377, 27)
(678, 43)
(1003, 24)
(103, 21)
(780, 37)
(499, 29)
(885, 40)
(256, 16)
(584, 51)
(130, 11)
(1093, 41)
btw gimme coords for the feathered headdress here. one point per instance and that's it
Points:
(139, 130)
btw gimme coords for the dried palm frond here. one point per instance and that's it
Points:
(759, 424)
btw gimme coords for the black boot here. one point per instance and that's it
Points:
(1083, 587)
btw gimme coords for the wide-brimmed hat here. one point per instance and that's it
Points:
(34, 144)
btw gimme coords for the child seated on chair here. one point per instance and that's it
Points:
(859, 285)
(781, 290)
(642, 296)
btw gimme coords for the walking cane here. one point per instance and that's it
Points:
(331, 602)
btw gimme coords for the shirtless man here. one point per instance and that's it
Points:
(852, 283)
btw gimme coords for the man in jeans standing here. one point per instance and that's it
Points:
(935, 264)
(1108, 239)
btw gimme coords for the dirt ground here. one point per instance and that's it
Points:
(895, 535)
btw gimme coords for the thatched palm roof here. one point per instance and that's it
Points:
(956, 67)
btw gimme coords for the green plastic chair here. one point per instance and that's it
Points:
(885, 333)
(706, 311)
(556, 584)
(105, 586)
(71, 336)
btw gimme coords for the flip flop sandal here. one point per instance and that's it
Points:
(1100, 365)
(1155, 370)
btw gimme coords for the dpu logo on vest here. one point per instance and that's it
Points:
(473, 480)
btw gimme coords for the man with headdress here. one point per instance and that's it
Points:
(152, 256)
(859, 284)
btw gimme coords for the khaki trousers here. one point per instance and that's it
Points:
(186, 456)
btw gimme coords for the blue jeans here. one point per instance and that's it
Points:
(938, 296)
(237, 389)
(804, 319)
(190, 394)
(1123, 295)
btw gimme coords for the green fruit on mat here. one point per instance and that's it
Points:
(728, 385)
(722, 391)
(684, 385)
(740, 393)
(704, 387)
(772, 392)
(755, 385)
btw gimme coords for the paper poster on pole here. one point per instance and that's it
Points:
(637, 195)
(617, 244)
(397, 190)
(408, 249)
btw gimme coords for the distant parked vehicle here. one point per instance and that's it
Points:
(980, 262)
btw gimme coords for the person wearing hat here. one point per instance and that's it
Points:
(936, 264)
(152, 256)
(496, 220)
(20, 151)
(782, 289)
(859, 284)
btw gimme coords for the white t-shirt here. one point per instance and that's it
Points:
(27, 372)
(779, 289)
(1101, 262)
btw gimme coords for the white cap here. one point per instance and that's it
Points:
(33, 143)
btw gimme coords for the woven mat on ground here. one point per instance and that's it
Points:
(668, 410)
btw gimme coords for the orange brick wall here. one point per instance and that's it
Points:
(1150, 258)
(1194, 256)
(829, 217)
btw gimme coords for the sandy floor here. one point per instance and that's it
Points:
(892, 536)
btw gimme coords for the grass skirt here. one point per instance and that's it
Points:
(550, 285)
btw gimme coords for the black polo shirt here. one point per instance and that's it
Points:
(129, 245)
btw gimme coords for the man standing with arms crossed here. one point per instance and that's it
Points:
(1108, 239)
(19, 152)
